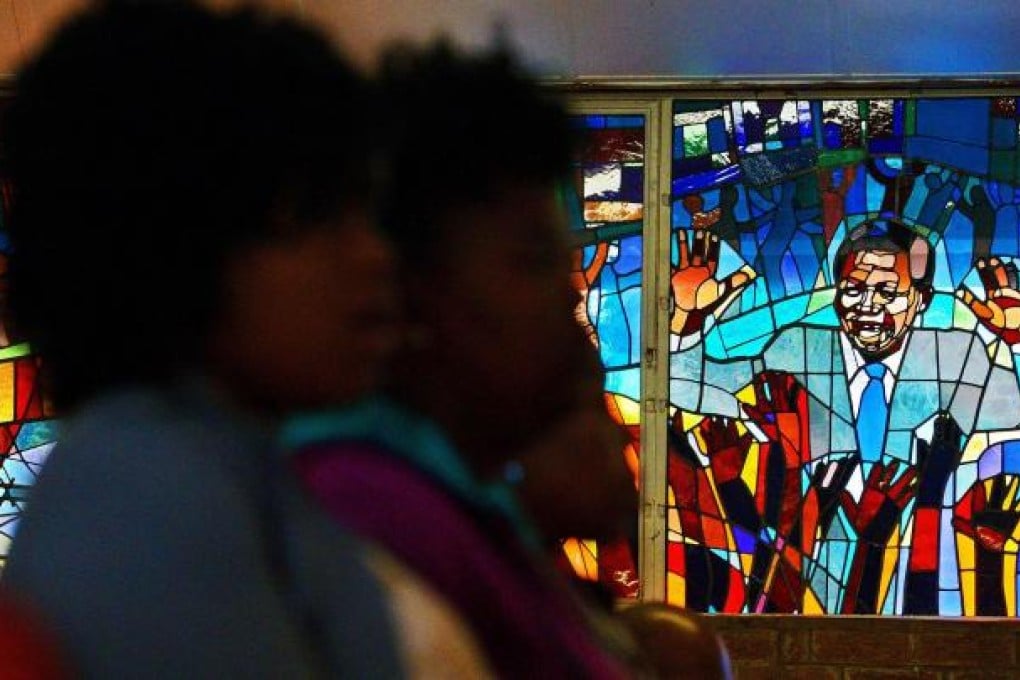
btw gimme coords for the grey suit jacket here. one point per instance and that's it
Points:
(164, 541)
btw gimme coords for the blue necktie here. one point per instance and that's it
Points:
(873, 415)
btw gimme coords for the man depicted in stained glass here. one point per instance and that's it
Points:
(871, 416)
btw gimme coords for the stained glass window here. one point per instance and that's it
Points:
(605, 204)
(843, 390)
(26, 431)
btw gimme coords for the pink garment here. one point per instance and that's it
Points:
(526, 619)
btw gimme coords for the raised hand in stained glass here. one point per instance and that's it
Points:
(885, 496)
(875, 518)
(990, 513)
(696, 291)
(987, 521)
(999, 312)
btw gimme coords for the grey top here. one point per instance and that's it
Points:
(164, 539)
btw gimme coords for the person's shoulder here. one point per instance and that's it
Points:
(134, 469)
(133, 439)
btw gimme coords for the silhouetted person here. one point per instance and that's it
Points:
(189, 228)
(491, 368)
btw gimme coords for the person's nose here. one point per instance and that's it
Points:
(868, 303)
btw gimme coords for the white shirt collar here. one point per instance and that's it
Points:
(853, 362)
(857, 379)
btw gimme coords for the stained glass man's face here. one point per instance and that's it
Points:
(877, 301)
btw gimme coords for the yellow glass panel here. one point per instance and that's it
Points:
(746, 395)
(968, 588)
(1009, 581)
(673, 520)
(690, 420)
(975, 446)
(889, 559)
(749, 473)
(965, 551)
(676, 589)
(812, 605)
(583, 557)
(630, 410)
(6, 392)
(745, 563)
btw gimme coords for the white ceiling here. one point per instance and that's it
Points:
(684, 38)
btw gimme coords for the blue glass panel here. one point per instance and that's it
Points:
(949, 603)
(623, 381)
(36, 434)
(717, 138)
(966, 475)
(943, 273)
(629, 258)
(1006, 239)
(898, 114)
(940, 312)
(964, 156)
(729, 260)
(752, 325)
(693, 183)
(631, 301)
(959, 120)
(1011, 457)
(990, 463)
(875, 194)
(625, 121)
(632, 186)
(1004, 131)
(959, 238)
(614, 334)
(885, 145)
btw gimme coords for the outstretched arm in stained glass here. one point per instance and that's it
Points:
(727, 449)
(976, 206)
(999, 312)
(696, 292)
(936, 462)
(583, 278)
(712, 582)
(792, 516)
(874, 518)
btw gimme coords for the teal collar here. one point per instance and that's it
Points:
(415, 440)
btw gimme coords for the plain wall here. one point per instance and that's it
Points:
(702, 38)
(679, 38)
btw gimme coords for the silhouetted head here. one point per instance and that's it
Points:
(884, 275)
(476, 150)
(162, 156)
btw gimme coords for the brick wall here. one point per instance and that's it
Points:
(862, 648)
